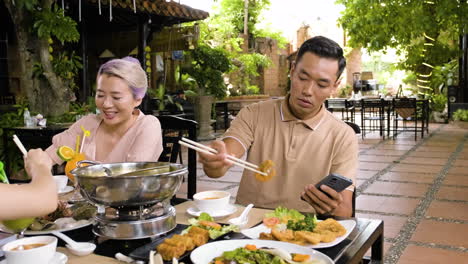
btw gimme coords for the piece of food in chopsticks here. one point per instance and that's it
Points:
(253, 255)
(268, 167)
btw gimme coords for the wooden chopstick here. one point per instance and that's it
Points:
(20, 145)
(214, 151)
(211, 153)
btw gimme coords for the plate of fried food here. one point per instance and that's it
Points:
(288, 225)
(183, 239)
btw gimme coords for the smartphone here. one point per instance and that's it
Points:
(335, 181)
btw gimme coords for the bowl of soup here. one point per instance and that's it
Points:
(37, 250)
(211, 201)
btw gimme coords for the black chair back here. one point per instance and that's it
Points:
(173, 128)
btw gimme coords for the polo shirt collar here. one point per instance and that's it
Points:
(312, 123)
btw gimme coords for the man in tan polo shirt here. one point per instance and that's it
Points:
(303, 139)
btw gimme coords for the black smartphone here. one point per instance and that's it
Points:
(335, 181)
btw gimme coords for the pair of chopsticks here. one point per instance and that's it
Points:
(20, 145)
(207, 150)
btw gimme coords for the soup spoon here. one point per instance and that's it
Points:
(242, 219)
(77, 248)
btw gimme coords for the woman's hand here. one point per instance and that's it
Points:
(35, 159)
(321, 202)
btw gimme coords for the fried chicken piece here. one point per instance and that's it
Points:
(187, 240)
(268, 167)
(330, 225)
(175, 241)
(266, 236)
(210, 224)
(327, 236)
(286, 235)
(310, 237)
(168, 252)
(199, 235)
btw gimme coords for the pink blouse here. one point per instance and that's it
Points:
(142, 142)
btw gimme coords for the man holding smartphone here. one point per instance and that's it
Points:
(303, 139)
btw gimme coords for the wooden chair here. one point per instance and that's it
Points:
(405, 110)
(373, 116)
(174, 128)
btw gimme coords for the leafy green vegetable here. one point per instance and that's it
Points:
(242, 255)
(306, 224)
(205, 217)
(285, 214)
(214, 233)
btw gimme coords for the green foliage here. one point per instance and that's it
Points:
(222, 30)
(207, 69)
(438, 102)
(344, 92)
(66, 65)
(402, 25)
(444, 75)
(233, 11)
(52, 22)
(461, 115)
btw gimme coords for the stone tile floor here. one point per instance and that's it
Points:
(419, 188)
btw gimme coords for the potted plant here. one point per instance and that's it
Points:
(438, 103)
(207, 68)
(460, 118)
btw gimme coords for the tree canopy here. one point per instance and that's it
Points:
(423, 31)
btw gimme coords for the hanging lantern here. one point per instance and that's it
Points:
(79, 10)
(134, 6)
(110, 10)
(99, 4)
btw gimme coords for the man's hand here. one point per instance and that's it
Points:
(215, 165)
(321, 202)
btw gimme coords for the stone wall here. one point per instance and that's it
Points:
(274, 79)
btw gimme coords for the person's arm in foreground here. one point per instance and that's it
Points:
(216, 165)
(37, 198)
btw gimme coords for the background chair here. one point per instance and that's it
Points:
(373, 116)
(173, 128)
(405, 111)
(343, 105)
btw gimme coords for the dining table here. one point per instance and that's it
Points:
(367, 234)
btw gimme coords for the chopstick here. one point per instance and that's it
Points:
(207, 150)
(20, 145)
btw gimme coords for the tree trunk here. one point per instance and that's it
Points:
(49, 96)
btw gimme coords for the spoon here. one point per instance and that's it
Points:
(77, 248)
(242, 219)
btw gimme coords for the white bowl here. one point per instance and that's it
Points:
(211, 201)
(61, 182)
(38, 255)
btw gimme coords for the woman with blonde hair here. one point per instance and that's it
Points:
(120, 132)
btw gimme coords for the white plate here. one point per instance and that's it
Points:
(207, 252)
(59, 258)
(349, 225)
(44, 232)
(67, 189)
(221, 213)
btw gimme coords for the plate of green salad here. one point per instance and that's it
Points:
(256, 252)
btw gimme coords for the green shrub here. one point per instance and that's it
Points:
(460, 115)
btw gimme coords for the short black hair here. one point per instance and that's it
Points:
(325, 48)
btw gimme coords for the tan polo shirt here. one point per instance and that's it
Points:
(141, 142)
(304, 152)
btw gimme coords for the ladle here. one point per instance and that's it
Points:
(77, 248)
(242, 219)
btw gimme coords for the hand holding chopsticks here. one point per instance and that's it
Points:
(207, 150)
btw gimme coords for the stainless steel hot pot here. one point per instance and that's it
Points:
(129, 183)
